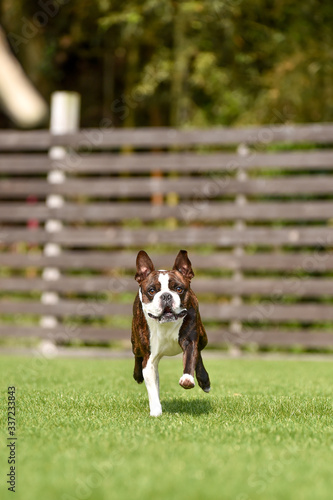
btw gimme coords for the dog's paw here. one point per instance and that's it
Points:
(156, 412)
(187, 381)
(138, 378)
(206, 389)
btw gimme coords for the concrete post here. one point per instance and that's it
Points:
(64, 119)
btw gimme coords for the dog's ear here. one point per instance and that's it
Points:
(183, 265)
(144, 266)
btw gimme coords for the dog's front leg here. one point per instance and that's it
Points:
(151, 378)
(190, 357)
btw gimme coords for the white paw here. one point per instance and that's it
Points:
(156, 412)
(187, 381)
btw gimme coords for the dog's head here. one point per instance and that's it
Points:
(164, 294)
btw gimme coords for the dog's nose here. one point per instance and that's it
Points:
(166, 298)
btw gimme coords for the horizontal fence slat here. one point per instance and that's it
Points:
(28, 140)
(187, 187)
(264, 311)
(66, 333)
(91, 139)
(206, 211)
(195, 162)
(268, 311)
(99, 139)
(277, 287)
(270, 338)
(296, 287)
(78, 308)
(101, 284)
(98, 163)
(184, 162)
(269, 261)
(24, 163)
(218, 236)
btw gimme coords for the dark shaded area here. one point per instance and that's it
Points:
(198, 406)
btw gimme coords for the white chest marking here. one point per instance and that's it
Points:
(164, 338)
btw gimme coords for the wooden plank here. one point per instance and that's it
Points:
(183, 162)
(77, 308)
(268, 311)
(316, 261)
(92, 139)
(66, 333)
(263, 311)
(294, 236)
(187, 187)
(205, 211)
(24, 163)
(267, 287)
(196, 162)
(269, 338)
(28, 140)
(269, 261)
(293, 286)
(90, 284)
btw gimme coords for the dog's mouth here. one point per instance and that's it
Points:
(168, 315)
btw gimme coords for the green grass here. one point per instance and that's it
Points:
(84, 431)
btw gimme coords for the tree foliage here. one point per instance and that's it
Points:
(181, 63)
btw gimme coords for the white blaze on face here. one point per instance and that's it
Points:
(164, 280)
(155, 307)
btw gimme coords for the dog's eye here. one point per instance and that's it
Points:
(179, 289)
(151, 291)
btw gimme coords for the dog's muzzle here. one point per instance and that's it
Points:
(168, 315)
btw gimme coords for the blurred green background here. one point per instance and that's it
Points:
(178, 63)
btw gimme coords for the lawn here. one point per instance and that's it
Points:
(84, 431)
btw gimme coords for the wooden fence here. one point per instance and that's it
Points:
(255, 215)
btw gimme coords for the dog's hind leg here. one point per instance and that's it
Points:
(202, 375)
(137, 374)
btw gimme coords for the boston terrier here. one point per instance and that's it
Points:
(166, 321)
